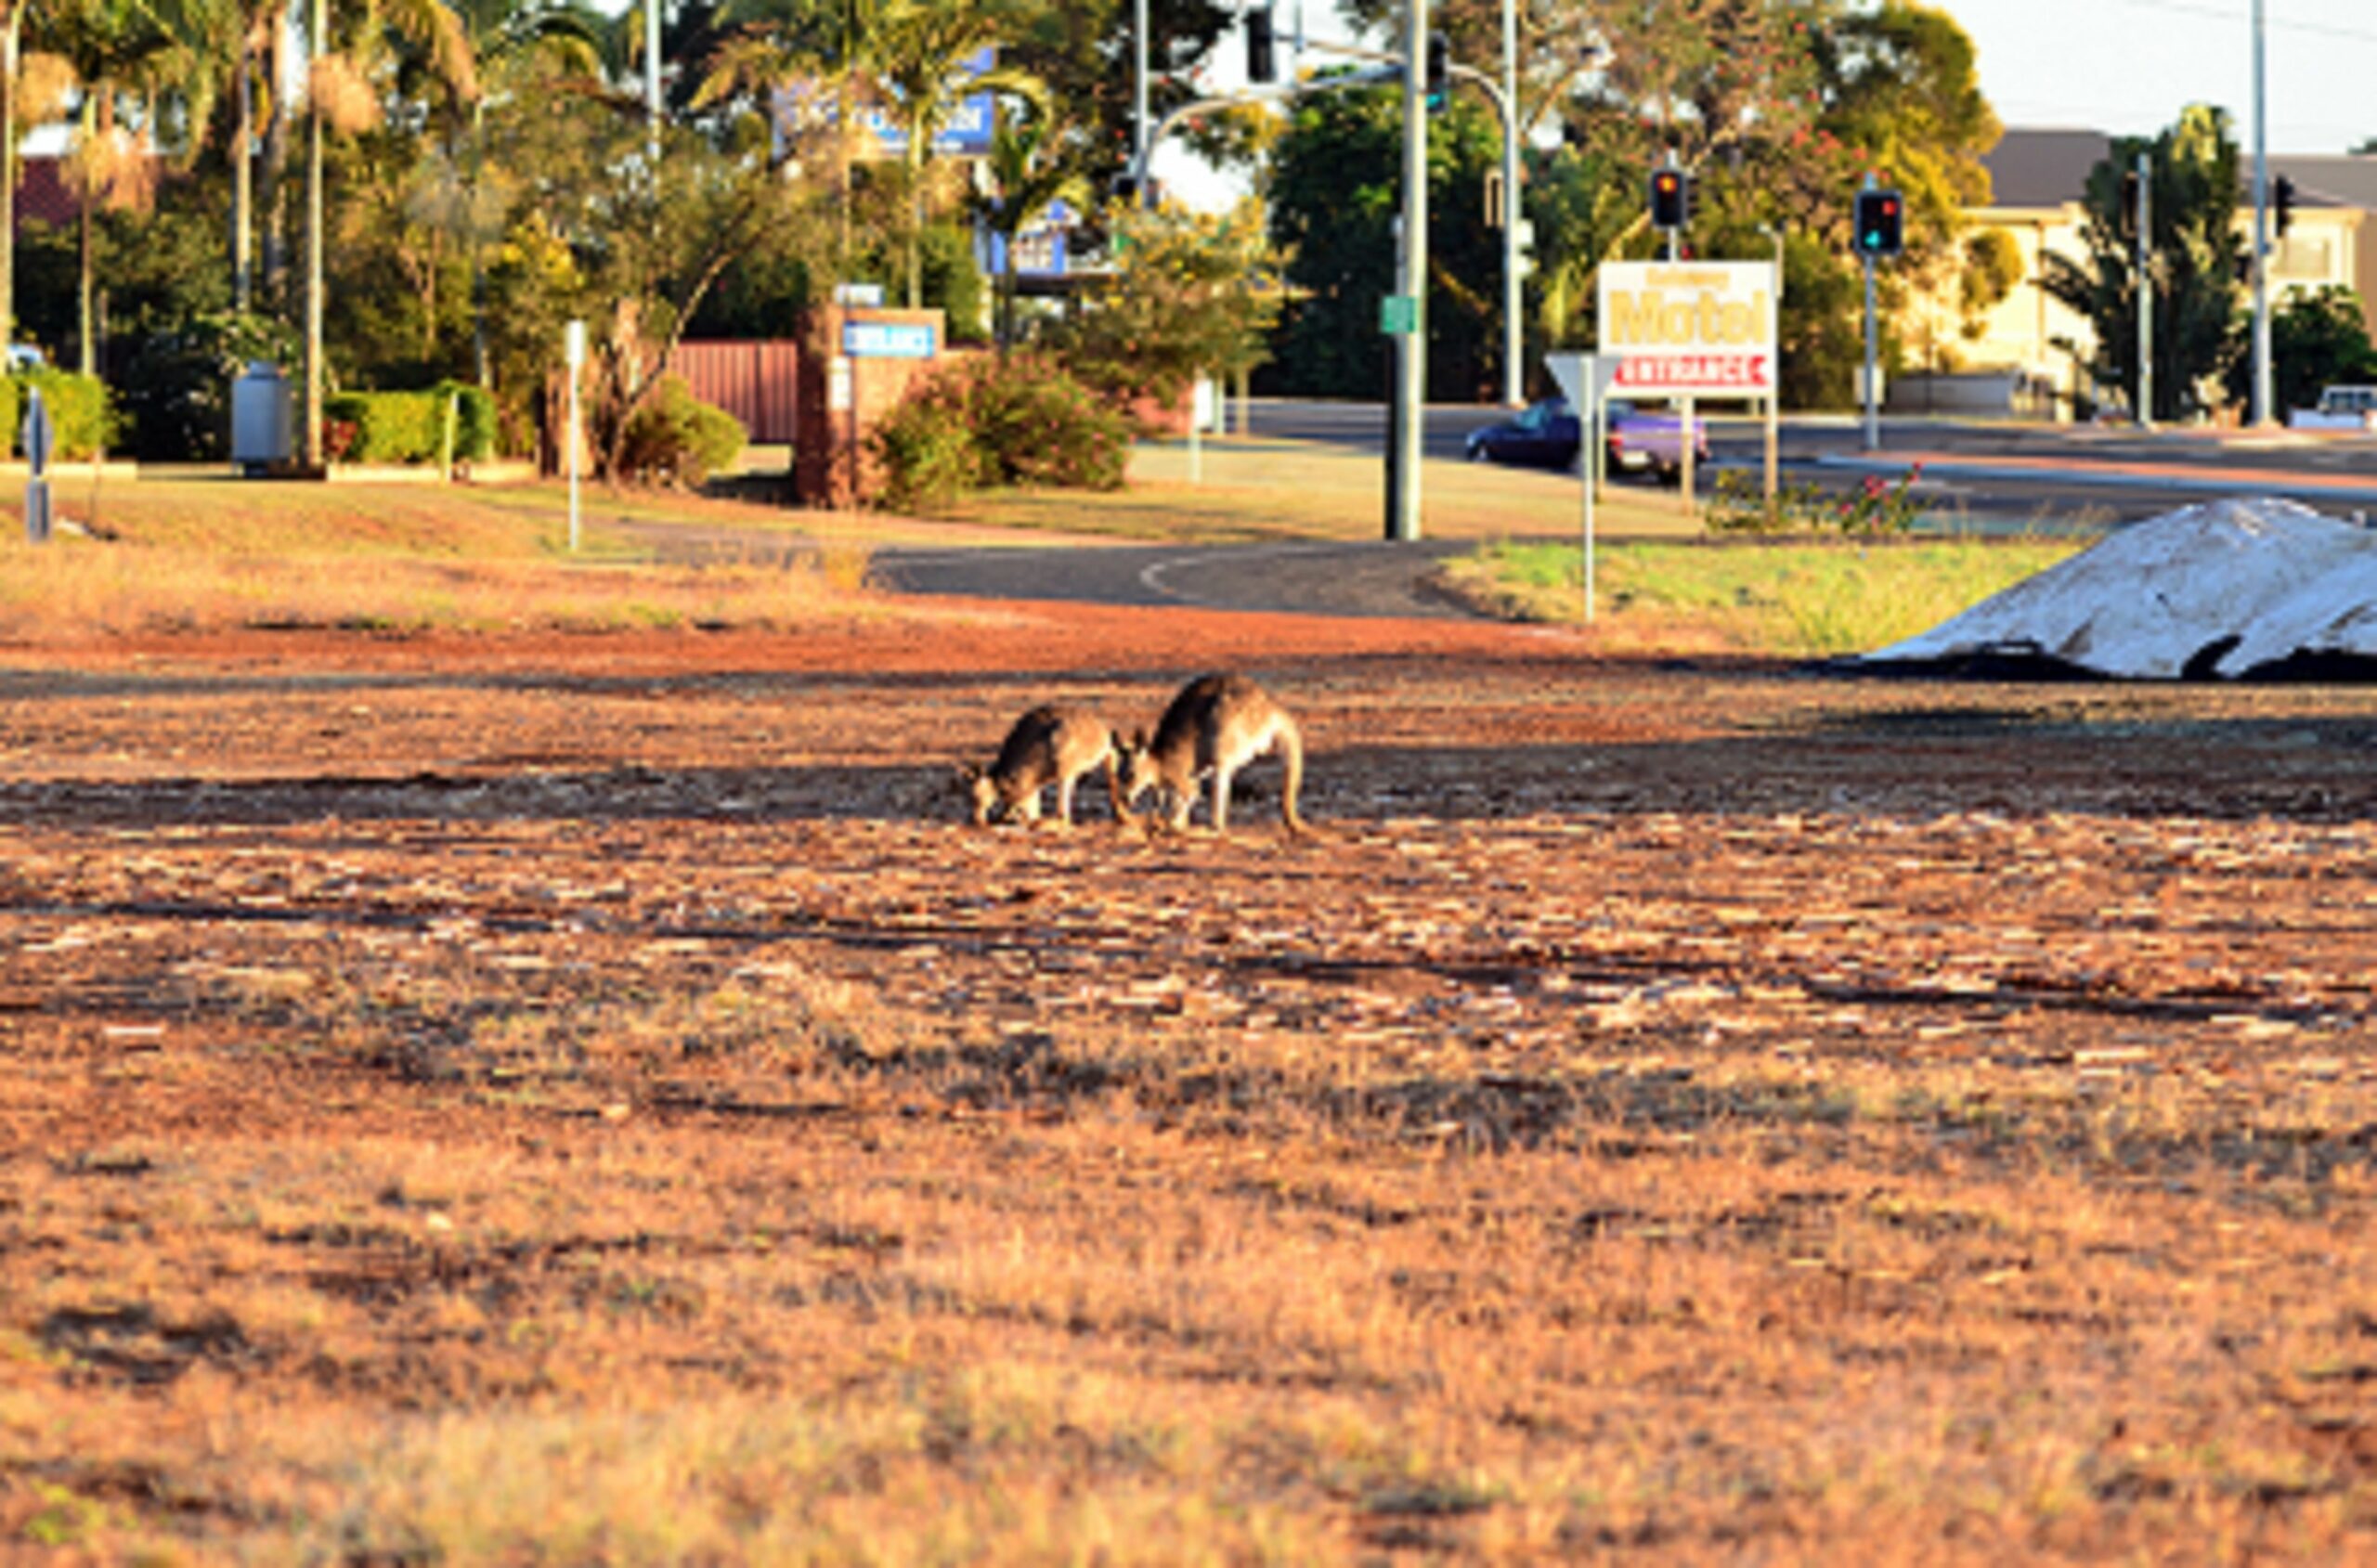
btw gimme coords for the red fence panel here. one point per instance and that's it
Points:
(751, 379)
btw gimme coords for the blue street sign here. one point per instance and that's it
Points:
(888, 340)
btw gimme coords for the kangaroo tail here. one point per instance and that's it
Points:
(1291, 752)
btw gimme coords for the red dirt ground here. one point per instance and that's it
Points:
(266, 897)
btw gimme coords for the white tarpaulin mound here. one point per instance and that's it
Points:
(2231, 587)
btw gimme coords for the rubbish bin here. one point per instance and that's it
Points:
(261, 419)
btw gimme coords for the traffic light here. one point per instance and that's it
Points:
(1881, 223)
(1671, 197)
(1437, 83)
(2281, 193)
(1261, 64)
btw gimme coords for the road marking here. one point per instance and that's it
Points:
(1152, 576)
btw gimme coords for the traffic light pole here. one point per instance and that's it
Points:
(1872, 405)
(1410, 412)
(2261, 378)
(1865, 393)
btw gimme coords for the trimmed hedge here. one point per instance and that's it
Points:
(81, 413)
(409, 427)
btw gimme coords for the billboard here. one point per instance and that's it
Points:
(966, 133)
(1688, 328)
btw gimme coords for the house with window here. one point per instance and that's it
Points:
(2039, 179)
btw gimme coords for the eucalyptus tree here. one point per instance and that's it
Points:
(520, 48)
(632, 257)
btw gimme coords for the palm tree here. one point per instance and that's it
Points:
(1030, 178)
(123, 61)
(928, 62)
(336, 87)
(790, 47)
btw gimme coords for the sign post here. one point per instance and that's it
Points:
(38, 439)
(574, 354)
(1584, 378)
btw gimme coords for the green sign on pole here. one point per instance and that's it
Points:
(1398, 315)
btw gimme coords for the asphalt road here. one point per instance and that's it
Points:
(2028, 476)
(1368, 578)
(1988, 477)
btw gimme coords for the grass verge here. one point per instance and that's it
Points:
(1810, 598)
(209, 554)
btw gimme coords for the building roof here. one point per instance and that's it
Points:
(2047, 168)
(2043, 168)
(42, 193)
(2325, 180)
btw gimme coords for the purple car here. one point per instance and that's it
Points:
(1546, 434)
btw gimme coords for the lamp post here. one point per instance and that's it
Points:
(1512, 383)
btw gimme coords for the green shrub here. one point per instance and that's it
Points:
(82, 415)
(1017, 420)
(677, 438)
(474, 420)
(409, 427)
(175, 397)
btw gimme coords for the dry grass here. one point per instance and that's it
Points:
(205, 555)
(1253, 490)
(623, 1121)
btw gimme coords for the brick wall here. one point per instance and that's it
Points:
(830, 466)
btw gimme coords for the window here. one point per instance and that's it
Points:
(2302, 258)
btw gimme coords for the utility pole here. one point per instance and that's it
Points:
(652, 84)
(2145, 291)
(316, 31)
(2262, 397)
(1140, 100)
(1513, 379)
(1412, 345)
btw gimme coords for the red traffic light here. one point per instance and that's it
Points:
(1880, 226)
(1670, 198)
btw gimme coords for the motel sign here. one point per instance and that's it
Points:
(1688, 328)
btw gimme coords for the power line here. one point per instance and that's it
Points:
(2240, 18)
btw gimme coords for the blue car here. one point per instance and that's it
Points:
(1547, 435)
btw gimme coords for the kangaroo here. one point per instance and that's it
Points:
(1218, 724)
(1048, 746)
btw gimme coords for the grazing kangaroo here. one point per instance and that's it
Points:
(1048, 746)
(1218, 724)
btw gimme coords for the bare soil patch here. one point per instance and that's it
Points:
(594, 1099)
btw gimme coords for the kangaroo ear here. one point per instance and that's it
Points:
(967, 773)
(1138, 740)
